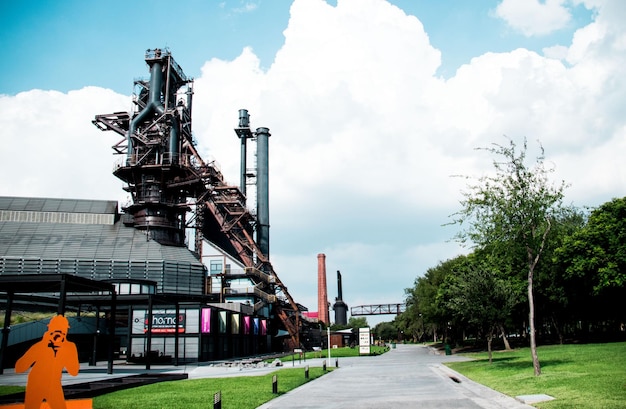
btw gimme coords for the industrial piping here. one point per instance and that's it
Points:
(244, 133)
(262, 191)
(154, 106)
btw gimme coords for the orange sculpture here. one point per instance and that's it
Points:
(48, 358)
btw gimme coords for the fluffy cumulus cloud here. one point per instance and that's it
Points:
(50, 147)
(534, 17)
(365, 135)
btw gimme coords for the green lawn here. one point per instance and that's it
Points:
(240, 392)
(344, 352)
(198, 393)
(578, 376)
(9, 389)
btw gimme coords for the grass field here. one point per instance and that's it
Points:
(344, 352)
(237, 393)
(586, 376)
(198, 393)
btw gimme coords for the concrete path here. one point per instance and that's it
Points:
(409, 376)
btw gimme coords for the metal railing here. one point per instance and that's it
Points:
(251, 291)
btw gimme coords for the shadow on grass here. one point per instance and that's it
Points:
(517, 363)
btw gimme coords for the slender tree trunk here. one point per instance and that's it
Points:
(507, 346)
(489, 339)
(558, 330)
(531, 319)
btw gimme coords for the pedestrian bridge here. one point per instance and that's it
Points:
(377, 309)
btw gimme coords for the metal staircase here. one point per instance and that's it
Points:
(168, 179)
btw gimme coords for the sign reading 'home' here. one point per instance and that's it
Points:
(165, 323)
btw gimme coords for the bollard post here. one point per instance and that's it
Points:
(336, 362)
(324, 365)
(275, 384)
(217, 400)
(293, 362)
(306, 372)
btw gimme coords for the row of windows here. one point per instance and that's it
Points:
(56, 217)
(133, 288)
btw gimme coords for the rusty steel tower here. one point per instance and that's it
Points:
(167, 180)
(158, 151)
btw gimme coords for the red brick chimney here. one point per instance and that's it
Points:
(322, 293)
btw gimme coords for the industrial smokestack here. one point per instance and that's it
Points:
(322, 294)
(340, 307)
(339, 290)
(244, 118)
(244, 133)
(262, 190)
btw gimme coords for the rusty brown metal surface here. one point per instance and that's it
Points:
(163, 170)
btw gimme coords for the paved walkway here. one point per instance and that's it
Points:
(405, 377)
(409, 376)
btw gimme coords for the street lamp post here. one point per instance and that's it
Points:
(328, 332)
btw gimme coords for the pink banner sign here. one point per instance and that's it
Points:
(206, 320)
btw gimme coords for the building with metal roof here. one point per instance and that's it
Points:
(87, 238)
(172, 301)
(163, 305)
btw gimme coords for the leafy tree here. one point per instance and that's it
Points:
(553, 295)
(360, 322)
(505, 265)
(599, 249)
(480, 298)
(594, 260)
(512, 211)
(385, 331)
(425, 311)
(411, 322)
(353, 322)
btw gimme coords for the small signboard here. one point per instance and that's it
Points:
(165, 323)
(364, 341)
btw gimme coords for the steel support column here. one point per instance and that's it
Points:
(5, 330)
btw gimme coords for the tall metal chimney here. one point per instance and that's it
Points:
(262, 190)
(322, 294)
(244, 133)
(339, 289)
(340, 307)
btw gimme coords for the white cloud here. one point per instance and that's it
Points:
(558, 52)
(365, 136)
(534, 17)
(51, 149)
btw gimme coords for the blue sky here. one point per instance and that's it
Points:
(66, 45)
(373, 105)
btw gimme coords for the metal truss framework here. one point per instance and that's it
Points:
(159, 146)
(377, 309)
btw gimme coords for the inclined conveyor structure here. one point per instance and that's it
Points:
(168, 180)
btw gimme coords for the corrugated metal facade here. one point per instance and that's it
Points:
(95, 251)
(40, 204)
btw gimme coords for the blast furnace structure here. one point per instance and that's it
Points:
(173, 189)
